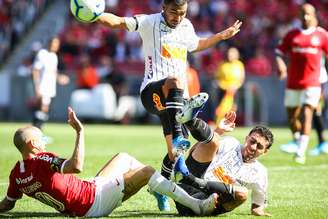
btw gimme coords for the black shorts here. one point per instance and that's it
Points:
(197, 169)
(154, 101)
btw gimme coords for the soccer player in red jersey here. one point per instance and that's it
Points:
(50, 179)
(303, 47)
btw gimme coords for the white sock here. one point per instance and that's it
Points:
(297, 136)
(303, 143)
(158, 183)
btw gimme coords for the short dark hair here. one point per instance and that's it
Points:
(265, 132)
(175, 2)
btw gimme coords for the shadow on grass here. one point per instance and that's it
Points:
(141, 213)
(30, 214)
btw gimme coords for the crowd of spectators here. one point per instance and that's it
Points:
(264, 22)
(15, 18)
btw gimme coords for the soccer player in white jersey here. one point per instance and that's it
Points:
(44, 75)
(226, 160)
(167, 38)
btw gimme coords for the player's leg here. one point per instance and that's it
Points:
(173, 92)
(153, 100)
(310, 100)
(135, 179)
(121, 163)
(40, 116)
(292, 103)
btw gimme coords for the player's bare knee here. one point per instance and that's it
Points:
(241, 194)
(172, 82)
(148, 171)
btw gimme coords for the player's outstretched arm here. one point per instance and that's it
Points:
(112, 21)
(205, 43)
(6, 205)
(227, 124)
(75, 163)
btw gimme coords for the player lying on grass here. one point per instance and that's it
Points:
(50, 179)
(225, 160)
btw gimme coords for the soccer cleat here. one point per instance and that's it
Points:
(180, 169)
(191, 108)
(291, 147)
(208, 205)
(180, 144)
(300, 159)
(321, 148)
(163, 203)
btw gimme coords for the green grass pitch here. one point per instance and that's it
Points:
(294, 190)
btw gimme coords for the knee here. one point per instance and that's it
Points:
(241, 194)
(123, 155)
(148, 171)
(172, 82)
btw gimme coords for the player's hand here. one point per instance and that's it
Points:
(63, 79)
(74, 121)
(231, 31)
(227, 124)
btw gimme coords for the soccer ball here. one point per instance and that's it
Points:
(87, 10)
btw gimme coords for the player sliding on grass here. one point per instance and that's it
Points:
(50, 179)
(227, 161)
(167, 37)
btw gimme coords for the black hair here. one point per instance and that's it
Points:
(175, 2)
(265, 132)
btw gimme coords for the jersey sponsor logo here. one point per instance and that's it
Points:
(24, 180)
(172, 52)
(31, 188)
(150, 67)
(222, 176)
(46, 158)
(157, 102)
(309, 50)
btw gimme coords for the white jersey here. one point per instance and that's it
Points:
(46, 62)
(228, 166)
(165, 49)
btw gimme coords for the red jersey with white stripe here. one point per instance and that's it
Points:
(304, 49)
(39, 178)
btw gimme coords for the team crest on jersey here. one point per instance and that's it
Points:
(157, 102)
(315, 41)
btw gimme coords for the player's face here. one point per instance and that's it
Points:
(255, 146)
(54, 45)
(308, 16)
(174, 14)
(37, 140)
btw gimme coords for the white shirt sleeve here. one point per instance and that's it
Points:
(38, 64)
(259, 190)
(191, 38)
(136, 23)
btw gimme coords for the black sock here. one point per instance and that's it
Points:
(174, 103)
(39, 118)
(318, 125)
(167, 167)
(200, 130)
